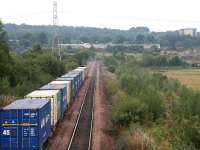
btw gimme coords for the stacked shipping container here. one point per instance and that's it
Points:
(55, 98)
(69, 87)
(73, 84)
(26, 124)
(63, 89)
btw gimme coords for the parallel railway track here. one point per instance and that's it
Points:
(82, 133)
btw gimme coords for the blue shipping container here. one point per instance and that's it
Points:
(73, 81)
(80, 73)
(63, 90)
(25, 124)
(76, 74)
(76, 78)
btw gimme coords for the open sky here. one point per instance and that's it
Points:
(158, 15)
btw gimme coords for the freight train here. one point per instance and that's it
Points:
(26, 124)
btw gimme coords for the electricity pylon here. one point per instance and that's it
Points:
(56, 49)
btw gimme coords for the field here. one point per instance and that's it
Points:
(188, 77)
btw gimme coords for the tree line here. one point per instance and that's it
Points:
(25, 36)
(22, 73)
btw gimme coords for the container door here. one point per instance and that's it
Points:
(76, 80)
(9, 130)
(30, 129)
(81, 76)
(59, 99)
(73, 88)
(45, 124)
(30, 137)
(65, 99)
(9, 138)
(69, 87)
(54, 111)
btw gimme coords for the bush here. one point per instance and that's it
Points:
(83, 56)
(153, 101)
(148, 98)
(131, 83)
(112, 88)
(50, 65)
(127, 110)
(135, 138)
(111, 63)
(31, 70)
(4, 86)
(139, 139)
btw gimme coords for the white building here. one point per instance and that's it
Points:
(188, 32)
(104, 46)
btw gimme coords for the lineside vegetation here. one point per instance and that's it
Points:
(150, 110)
(22, 73)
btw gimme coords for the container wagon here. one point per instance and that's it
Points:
(83, 72)
(73, 84)
(25, 124)
(85, 69)
(55, 97)
(63, 89)
(72, 75)
(80, 76)
(69, 88)
(76, 79)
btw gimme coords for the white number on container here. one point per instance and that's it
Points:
(6, 132)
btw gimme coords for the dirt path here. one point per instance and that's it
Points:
(65, 128)
(102, 124)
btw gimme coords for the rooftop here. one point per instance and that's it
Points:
(53, 87)
(42, 93)
(59, 82)
(27, 104)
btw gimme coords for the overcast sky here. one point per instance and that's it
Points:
(158, 15)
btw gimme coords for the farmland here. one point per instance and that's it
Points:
(188, 77)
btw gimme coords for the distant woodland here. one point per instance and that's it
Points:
(22, 37)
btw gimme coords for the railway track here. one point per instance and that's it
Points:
(82, 133)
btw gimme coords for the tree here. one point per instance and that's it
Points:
(37, 48)
(140, 30)
(42, 38)
(150, 39)
(94, 39)
(5, 59)
(83, 56)
(140, 39)
(119, 39)
(105, 39)
(27, 39)
(175, 61)
(84, 39)
(67, 39)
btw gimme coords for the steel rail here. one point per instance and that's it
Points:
(93, 81)
(91, 126)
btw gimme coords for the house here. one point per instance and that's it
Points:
(188, 32)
